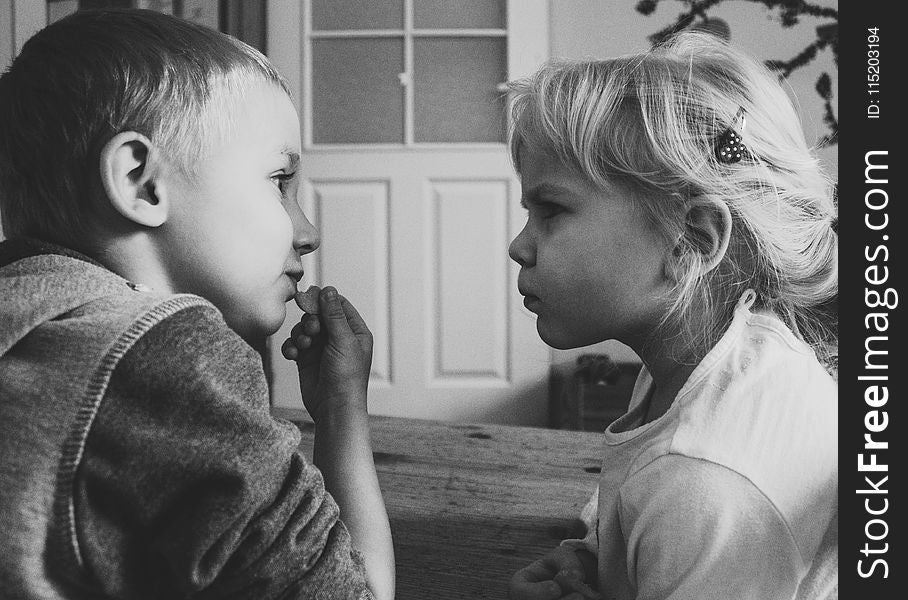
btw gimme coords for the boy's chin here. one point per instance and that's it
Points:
(271, 326)
(256, 331)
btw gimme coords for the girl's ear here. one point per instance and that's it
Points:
(129, 174)
(707, 231)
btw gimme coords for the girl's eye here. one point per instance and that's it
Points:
(281, 181)
(547, 210)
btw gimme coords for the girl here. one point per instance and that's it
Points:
(675, 206)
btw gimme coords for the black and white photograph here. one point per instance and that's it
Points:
(448, 299)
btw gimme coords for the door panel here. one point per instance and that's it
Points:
(467, 282)
(352, 217)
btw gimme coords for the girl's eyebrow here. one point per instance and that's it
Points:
(543, 192)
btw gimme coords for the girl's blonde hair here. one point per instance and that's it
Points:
(651, 121)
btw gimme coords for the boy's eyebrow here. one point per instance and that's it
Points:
(540, 192)
(293, 158)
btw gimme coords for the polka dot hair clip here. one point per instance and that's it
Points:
(729, 148)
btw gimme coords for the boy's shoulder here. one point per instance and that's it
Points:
(46, 284)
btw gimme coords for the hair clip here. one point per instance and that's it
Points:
(729, 148)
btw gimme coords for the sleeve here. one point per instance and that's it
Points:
(189, 488)
(695, 529)
(589, 517)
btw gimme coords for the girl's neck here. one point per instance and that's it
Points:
(669, 376)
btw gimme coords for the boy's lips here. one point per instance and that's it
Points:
(294, 275)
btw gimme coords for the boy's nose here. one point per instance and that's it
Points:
(521, 250)
(305, 236)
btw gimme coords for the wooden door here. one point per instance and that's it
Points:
(406, 174)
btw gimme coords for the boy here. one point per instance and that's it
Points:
(148, 188)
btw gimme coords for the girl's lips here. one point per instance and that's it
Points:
(531, 302)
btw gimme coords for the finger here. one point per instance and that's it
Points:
(584, 595)
(571, 580)
(288, 350)
(563, 559)
(307, 325)
(539, 570)
(534, 590)
(333, 313)
(310, 325)
(586, 592)
(567, 577)
(303, 342)
(355, 320)
(297, 330)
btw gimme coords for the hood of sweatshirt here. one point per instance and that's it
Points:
(38, 283)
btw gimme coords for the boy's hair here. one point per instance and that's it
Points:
(651, 121)
(82, 80)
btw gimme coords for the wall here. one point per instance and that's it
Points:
(602, 28)
(6, 33)
(19, 20)
(6, 49)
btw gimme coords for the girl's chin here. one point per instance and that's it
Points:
(556, 339)
(564, 339)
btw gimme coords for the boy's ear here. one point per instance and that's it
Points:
(129, 174)
(706, 234)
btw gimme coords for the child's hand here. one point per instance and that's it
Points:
(333, 351)
(559, 575)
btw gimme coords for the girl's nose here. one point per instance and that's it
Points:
(521, 249)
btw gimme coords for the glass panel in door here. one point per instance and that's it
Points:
(463, 14)
(356, 93)
(456, 95)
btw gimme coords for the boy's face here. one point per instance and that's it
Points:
(592, 268)
(234, 233)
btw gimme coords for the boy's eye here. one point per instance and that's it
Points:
(282, 181)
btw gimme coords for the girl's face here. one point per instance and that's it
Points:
(592, 268)
(236, 232)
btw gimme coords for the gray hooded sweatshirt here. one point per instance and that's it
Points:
(138, 458)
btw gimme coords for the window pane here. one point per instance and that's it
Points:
(456, 95)
(203, 12)
(356, 93)
(472, 14)
(357, 14)
(60, 8)
(164, 6)
(208, 14)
